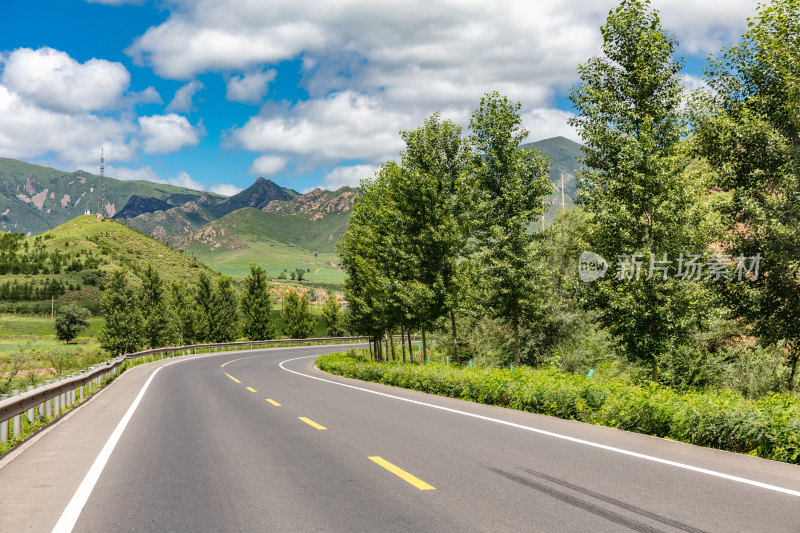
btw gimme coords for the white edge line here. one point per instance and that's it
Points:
(73, 510)
(558, 435)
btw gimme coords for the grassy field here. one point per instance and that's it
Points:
(274, 257)
(30, 353)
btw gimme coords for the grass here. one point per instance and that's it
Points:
(30, 353)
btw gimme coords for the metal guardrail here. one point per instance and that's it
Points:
(50, 399)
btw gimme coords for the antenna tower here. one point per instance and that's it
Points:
(102, 209)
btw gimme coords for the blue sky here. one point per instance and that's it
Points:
(212, 94)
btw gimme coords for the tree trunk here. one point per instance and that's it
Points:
(516, 345)
(391, 339)
(794, 356)
(424, 345)
(403, 342)
(455, 336)
(371, 355)
(410, 346)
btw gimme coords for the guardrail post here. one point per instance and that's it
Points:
(56, 402)
(30, 411)
(17, 425)
(82, 386)
(48, 404)
(41, 405)
(3, 424)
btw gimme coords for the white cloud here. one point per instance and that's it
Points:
(374, 68)
(267, 164)
(226, 189)
(183, 179)
(544, 123)
(28, 131)
(53, 80)
(349, 176)
(182, 102)
(147, 96)
(142, 173)
(342, 126)
(249, 88)
(167, 133)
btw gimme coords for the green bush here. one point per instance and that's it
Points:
(768, 427)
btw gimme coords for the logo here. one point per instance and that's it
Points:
(591, 266)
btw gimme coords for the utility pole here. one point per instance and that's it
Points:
(102, 209)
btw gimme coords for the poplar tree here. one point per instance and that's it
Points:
(154, 308)
(509, 189)
(748, 128)
(122, 331)
(298, 321)
(635, 188)
(257, 306)
(331, 316)
(225, 311)
(204, 306)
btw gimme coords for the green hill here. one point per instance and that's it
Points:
(34, 198)
(563, 155)
(277, 242)
(70, 263)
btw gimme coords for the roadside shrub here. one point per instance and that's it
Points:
(768, 427)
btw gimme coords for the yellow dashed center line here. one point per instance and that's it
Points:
(311, 423)
(233, 378)
(402, 474)
(273, 402)
(251, 389)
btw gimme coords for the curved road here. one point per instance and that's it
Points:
(263, 441)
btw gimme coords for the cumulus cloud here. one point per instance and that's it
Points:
(249, 88)
(147, 96)
(226, 189)
(347, 176)
(142, 173)
(28, 131)
(267, 164)
(344, 125)
(53, 80)
(167, 133)
(544, 123)
(374, 68)
(183, 102)
(183, 179)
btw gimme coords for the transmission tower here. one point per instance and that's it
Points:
(102, 209)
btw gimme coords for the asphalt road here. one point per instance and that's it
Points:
(260, 445)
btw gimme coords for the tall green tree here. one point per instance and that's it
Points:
(122, 331)
(635, 187)
(182, 325)
(509, 189)
(204, 296)
(332, 316)
(429, 218)
(298, 321)
(225, 313)
(257, 306)
(154, 305)
(748, 128)
(71, 320)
